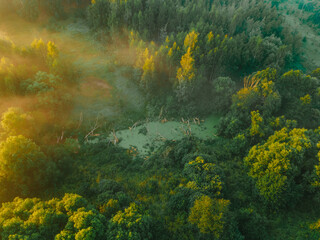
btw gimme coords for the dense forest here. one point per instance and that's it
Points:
(149, 119)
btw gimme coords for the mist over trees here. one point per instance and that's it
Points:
(63, 173)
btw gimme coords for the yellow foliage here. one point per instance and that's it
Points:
(316, 183)
(197, 161)
(192, 185)
(14, 121)
(143, 56)
(256, 121)
(208, 215)
(134, 38)
(315, 226)
(148, 65)
(210, 36)
(5, 66)
(38, 44)
(52, 54)
(174, 46)
(306, 99)
(130, 216)
(292, 73)
(259, 85)
(191, 40)
(40, 47)
(251, 82)
(186, 71)
(242, 96)
(267, 87)
(277, 122)
(112, 206)
(53, 51)
(271, 163)
(240, 137)
(317, 71)
(204, 176)
(265, 77)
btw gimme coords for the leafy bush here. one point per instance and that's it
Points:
(24, 169)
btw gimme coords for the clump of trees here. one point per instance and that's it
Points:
(265, 159)
(276, 118)
(265, 44)
(185, 56)
(28, 165)
(279, 163)
(269, 99)
(48, 79)
(72, 217)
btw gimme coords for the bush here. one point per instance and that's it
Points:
(24, 169)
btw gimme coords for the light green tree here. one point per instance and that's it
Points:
(15, 122)
(70, 218)
(208, 214)
(24, 168)
(275, 164)
(130, 224)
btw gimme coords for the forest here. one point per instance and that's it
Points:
(159, 120)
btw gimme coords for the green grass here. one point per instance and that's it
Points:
(151, 135)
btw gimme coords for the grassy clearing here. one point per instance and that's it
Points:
(149, 136)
